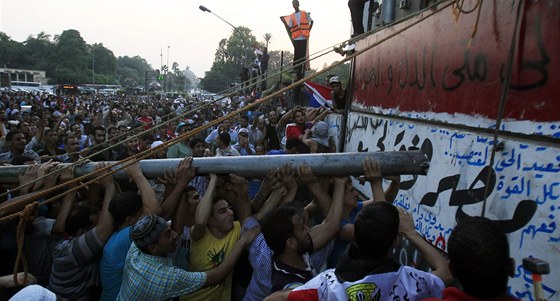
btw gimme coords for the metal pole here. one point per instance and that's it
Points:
(335, 164)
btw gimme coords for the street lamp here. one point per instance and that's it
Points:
(205, 9)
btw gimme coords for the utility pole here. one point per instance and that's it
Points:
(166, 71)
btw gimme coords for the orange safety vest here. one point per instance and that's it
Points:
(303, 28)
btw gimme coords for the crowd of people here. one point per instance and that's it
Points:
(188, 236)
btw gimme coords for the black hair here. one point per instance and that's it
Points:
(79, 218)
(292, 142)
(123, 205)
(376, 229)
(194, 141)
(224, 137)
(479, 257)
(98, 128)
(277, 227)
(11, 135)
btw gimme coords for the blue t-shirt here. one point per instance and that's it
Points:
(340, 244)
(112, 263)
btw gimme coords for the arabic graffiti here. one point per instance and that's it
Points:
(521, 189)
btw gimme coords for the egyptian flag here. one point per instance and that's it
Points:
(319, 95)
(286, 21)
(304, 295)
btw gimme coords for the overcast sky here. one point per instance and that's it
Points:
(141, 27)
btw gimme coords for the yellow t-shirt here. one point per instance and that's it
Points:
(207, 253)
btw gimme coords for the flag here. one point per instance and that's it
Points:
(320, 95)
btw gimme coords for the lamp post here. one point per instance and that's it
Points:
(205, 9)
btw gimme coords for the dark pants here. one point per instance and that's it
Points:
(300, 52)
(357, 15)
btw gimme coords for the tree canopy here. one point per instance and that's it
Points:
(67, 58)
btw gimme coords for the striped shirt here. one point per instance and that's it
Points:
(148, 277)
(76, 266)
(260, 256)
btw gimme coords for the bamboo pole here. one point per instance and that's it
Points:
(334, 164)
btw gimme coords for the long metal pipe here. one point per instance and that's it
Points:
(336, 164)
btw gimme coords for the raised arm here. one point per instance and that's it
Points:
(434, 258)
(204, 210)
(150, 203)
(238, 185)
(105, 224)
(271, 203)
(372, 172)
(322, 198)
(321, 234)
(67, 202)
(271, 182)
(184, 174)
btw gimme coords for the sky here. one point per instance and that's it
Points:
(178, 28)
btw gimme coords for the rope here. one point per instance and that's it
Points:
(109, 170)
(119, 141)
(503, 99)
(29, 211)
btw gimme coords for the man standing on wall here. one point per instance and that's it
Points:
(299, 25)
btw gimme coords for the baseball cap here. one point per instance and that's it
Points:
(321, 133)
(334, 79)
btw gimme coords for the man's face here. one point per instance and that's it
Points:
(300, 234)
(193, 198)
(76, 130)
(227, 124)
(112, 133)
(243, 122)
(222, 216)
(24, 128)
(336, 86)
(99, 136)
(123, 130)
(350, 195)
(167, 242)
(52, 137)
(17, 143)
(259, 149)
(273, 117)
(198, 150)
(299, 118)
(243, 139)
(132, 144)
(72, 145)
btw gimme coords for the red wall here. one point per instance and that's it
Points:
(434, 66)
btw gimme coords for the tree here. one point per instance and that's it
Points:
(133, 71)
(12, 53)
(38, 50)
(267, 36)
(72, 58)
(231, 56)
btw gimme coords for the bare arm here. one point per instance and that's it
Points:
(204, 210)
(67, 203)
(393, 189)
(271, 203)
(184, 174)
(434, 258)
(270, 182)
(105, 224)
(241, 200)
(150, 203)
(372, 172)
(324, 232)
(322, 198)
